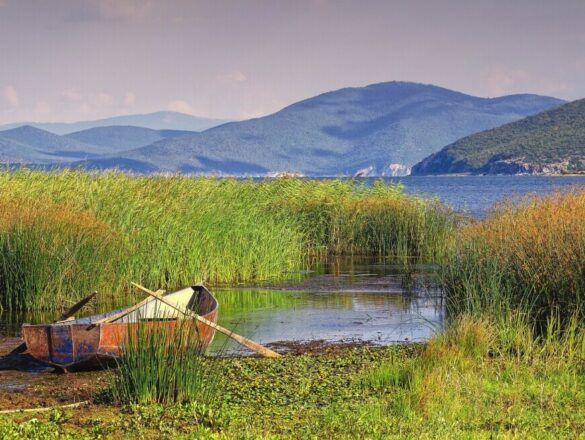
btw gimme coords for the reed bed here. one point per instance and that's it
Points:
(528, 257)
(69, 232)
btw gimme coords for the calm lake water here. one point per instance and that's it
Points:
(345, 301)
(476, 194)
(365, 302)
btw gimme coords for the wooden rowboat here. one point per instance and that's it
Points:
(79, 343)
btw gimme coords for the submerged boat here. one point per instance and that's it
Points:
(82, 343)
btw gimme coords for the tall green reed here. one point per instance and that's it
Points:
(168, 231)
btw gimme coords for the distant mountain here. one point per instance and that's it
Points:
(379, 129)
(156, 121)
(26, 145)
(33, 146)
(120, 138)
(550, 142)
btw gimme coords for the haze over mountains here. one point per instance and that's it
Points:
(164, 120)
(32, 146)
(380, 129)
(547, 143)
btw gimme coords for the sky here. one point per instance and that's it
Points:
(69, 60)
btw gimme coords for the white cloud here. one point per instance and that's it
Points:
(257, 112)
(42, 110)
(504, 81)
(111, 10)
(72, 95)
(124, 9)
(102, 100)
(129, 99)
(85, 109)
(11, 96)
(233, 77)
(180, 106)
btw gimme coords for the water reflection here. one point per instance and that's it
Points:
(375, 301)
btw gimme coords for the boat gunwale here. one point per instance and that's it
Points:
(73, 323)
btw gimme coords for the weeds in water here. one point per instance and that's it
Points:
(98, 232)
(48, 250)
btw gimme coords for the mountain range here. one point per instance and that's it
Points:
(550, 142)
(156, 121)
(33, 146)
(381, 129)
(378, 129)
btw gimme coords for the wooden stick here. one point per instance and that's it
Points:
(66, 315)
(45, 408)
(254, 346)
(126, 311)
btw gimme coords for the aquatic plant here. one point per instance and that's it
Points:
(528, 257)
(48, 250)
(162, 363)
(482, 378)
(100, 231)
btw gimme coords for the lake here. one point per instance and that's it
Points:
(476, 194)
(346, 301)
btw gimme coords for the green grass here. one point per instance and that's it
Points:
(67, 233)
(509, 364)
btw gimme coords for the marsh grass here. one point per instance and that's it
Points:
(529, 257)
(163, 364)
(48, 250)
(482, 375)
(64, 234)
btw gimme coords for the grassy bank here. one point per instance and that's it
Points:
(465, 383)
(65, 234)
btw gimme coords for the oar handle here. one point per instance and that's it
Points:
(254, 346)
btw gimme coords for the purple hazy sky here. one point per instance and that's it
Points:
(66, 60)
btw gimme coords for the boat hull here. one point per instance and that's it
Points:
(73, 345)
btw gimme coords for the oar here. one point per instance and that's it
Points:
(254, 346)
(121, 314)
(66, 315)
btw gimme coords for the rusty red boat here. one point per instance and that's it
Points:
(90, 342)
